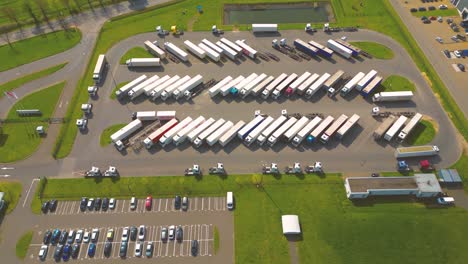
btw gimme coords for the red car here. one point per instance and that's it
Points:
(432, 18)
(149, 202)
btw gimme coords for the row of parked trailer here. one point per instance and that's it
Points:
(390, 127)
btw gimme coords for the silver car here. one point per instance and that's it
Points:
(164, 234)
(43, 252)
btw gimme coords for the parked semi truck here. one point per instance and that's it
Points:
(263, 137)
(319, 130)
(155, 50)
(317, 85)
(340, 49)
(183, 133)
(140, 88)
(149, 88)
(165, 115)
(416, 151)
(283, 85)
(366, 80)
(307, 83)
(247, 50)
(352, 121)
(248, 87)
(230, 53)
(235, 89)
(293, 130)
(301, 135)
(392, 96)
(146, 115)
(124, 89)
(154, 137)
(197, 131)
(257, 131)
(292, 88)
(159, 89)
(349, 86)
(213, 138)
(184, 89)
(304, 47)
(371, 86)
(257, 28)
(395, 128)
(212, 46)
(225, 89)
(409, 127)
(333, 128)
(232, 45)
(213, 55)
(259, 88)
(125, 132)
(98, 72)
(143, 62)
(213, 91)
(203, 135)
(386, 124)
(197, 51)
(332, 80)
(280, 131)
(322, 50)
(169, 135)
(356, 51)
(231, 133)
(245, 131)
(176, 51)
(266, 92)
(171, 88)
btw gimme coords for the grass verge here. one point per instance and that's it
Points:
(113, 96)
(36, 202)
(436, 13)
(32, 49)
(377, 50)
(395, 83)
(462, 167)
(422, 134)
(216, 239)
(16, 83)
(12, 190)
(396, 173)
(136, 52)
(106, 133)
(23, 244)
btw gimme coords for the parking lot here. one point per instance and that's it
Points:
(163, 205)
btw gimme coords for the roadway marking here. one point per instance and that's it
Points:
(29, 190)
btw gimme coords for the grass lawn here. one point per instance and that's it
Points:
(16, 83)
(396, 173)
(436, 13)
(422, 134)
(23, 244)
(395, 83)
(136, 52)
(105, 135)
(462, 167)
(32, 49)
(377, 50)
(216, 239)
(113, 96)
(12, 190)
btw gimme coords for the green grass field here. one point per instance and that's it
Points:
(436, 13)
(395, 83)
(105, 135)
(136, 52)
(23, 244)
(113, 96)
(19, 138)
(12, 190)
(36, 48)
(16, 83)
(422, 134)
(462, 167)
(377, 50)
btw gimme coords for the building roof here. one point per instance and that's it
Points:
(449, 176)
(362, 184)
(291, 224)
(427, 183)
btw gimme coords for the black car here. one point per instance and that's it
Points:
(427, 21)
(461, 67)
(47, 236)
(412, 10)
(177, 202)
(179, 233)
(52, 205)
(422, 9)
(58, 252)
(75, 250)
(194, 247)
(431, 8)
(83, 203)
(447, 53)
(45, 207)
(105, 204)
(123, 250)
(97, 204)
(63, 237)
(133, 233)
(107, 248)
(55, 236)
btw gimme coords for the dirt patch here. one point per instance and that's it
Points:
(191, 22)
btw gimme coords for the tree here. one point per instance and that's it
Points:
(28, 8)
(43, 6)
(66, 3)
(11, 14)
(77, 3)
(6, 36)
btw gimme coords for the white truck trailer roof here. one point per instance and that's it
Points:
(319, 130)
(232, 45)
(227, 50)
(167, 137)
(171, 88)
(189, 85)
(395, 128)
(273, 84)
(292, 132)
(159, 89)
(212, 46)
(366, 79)
(416, 151)
(307, 83)
(243, 133)
(297, 140)
(231, 133)
(210, 130)
(283, 85)
(215, 56)
(124, 89)
(333, 79)
(146, 115)
(202, 127)
(260, 86)
(153, 85)
(197, 51)
(244, 82)
(248, 87)
(139, 88)
(158, 133)
(257, 131)
(317, 85)
(225, 89)
(352, 83)
(298, 82)
(166, 115)
(281, 130)
(182, 134)
(126, 130)
(155, 50)
(213, 138)
(410, 126)
(178, 52)
(264, 28)
(347, 126)
(246, 49)
(269, 130)
(333, 128)
(213, 91)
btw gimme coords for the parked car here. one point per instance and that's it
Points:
(194, 247)
(433, 18)
(71, 237)
(148, 202)
(454, 38)
(123, 250)
(66, 252)
(75, 250)
(439, 39)
(424, 18)
(177, 202)
(179, 233)
(133, 203)
(43, 252)
(440, 19)
(58, 252)
(112, 203)
(107, 248)
(79, 236)
(90, 204)
(149, 250)
(447, 53)
(185, 203)
(110, 234)
(95, 235)
(97, 204)
(449, 20)
(446, 200)
(431, 8)
(141, 232)
(47, 236)
(461, 67)
(86, 237)
(138, 248)
(52, 205)
(422, 8)
(63, 237)
(125, 234)
(133, 233)
(45, 207)
(164, 234)
(461, 37)
(105, 204)
(443, 7)
(457, 54)
(427, 21)
(55, 236)
(412, 10)
(92, 250)
(83, 203)
(171, 232)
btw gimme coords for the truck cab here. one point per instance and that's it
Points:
(86, 108)
(82, 123)
(92, 90)
(119, 145)
(195, 170)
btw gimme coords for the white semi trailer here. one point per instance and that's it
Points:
(333, 128)
(184, 89)
(140, 88)
(245, 131)
(307, 83)
(201, 138)
(247, 50)
(392, 96)
(366, 80)
(155, 50)
(297, 140)
(395, 128)
(98, 72)
(235, 89)
(258, 28)
(352, 121)
(171, 88)
(225, 89)
(169, 135)
(292, 88)
(257, 131)
(317, 85)
(213, 55)
(124, 89)
(125, 132)
(160, 88)
(213, 138)
(182, 134)
(278, 133)
(292, 132)
(259, 88)
(269, 130)
(266, 92)
(248, 88)
(277, 92)
(197, 131)
(213, 91)
(320, 128)
(176, 51)
(416, 151)
(231, 133)
(143, 62)
(212, 46)
(409, 127)
(349, 86)
(232, 45)
(149, 88)
(230, 53)
(197, 51)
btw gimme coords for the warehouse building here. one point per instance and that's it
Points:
(419, 185)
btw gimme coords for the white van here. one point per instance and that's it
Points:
(446, 200)
(230, 201)
(133, 203)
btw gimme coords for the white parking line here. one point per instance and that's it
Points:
(29, 190)
(167, 201)
(123, 206)
(202, 203)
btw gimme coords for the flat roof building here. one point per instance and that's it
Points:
(419, 185)
(291, 224)
(462, 7)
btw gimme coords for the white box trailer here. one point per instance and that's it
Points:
(257, 131)
(266, 92)
(245, 131)
(264, 28)
(410, 126)
(154, 137)
(143, 62)
(185, 88)
(178, 52)
(379, 132)
(140, 88)
(315, 87)
(347, 126)
(392, 96)
(124, 89)
(149, 88)
(155, 50)
(235, 89)
(213, 91)
(371, 86)
(292, 88)
(297, 140)
(206, 133)
(307, 83)
(292, 132)
(416, 151)
(231, 133)
(281, 130)
(167, 137)
(159, 89)
(247, 50)
(213, 138)
(171, 88)
(182, 134)
(99, 68)
(197, 131)
(277, 92)
(340, 49)
(225, 89)
(333, 128)
(395, 128)
(197, 51)
(248, 88)
(146, 115)
(333, 79)
(212, 46)
(230, 53)
(352, 83)
(166, 115)
(126, 131)
(259, 88)
(232, 45)
(210, 52)
(366, 80)
(262, 138)
(319, 130)
(324, 51)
